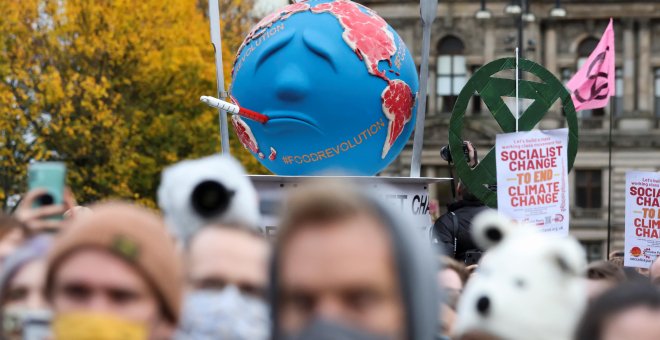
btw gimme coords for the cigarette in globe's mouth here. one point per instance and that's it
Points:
(234, 109)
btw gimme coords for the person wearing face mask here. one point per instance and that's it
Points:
(23, 310)
(347, 266)
(114, 274)
(212, 208)
(226, 280)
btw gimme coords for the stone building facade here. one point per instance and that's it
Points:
(461, 43)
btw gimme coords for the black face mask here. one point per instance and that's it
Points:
(321, 329)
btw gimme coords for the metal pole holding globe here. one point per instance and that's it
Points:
(216, 40)
(428, 10)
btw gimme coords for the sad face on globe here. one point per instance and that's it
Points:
(337, 84)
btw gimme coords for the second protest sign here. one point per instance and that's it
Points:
(532, 178)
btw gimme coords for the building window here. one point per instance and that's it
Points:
(588, 189)
(451, 72)
(585, 48)
(566, 74)
(657, 92)
(593, 249)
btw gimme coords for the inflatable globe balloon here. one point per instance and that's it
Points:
(337, 84)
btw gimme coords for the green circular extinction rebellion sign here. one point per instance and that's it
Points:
(483, 177)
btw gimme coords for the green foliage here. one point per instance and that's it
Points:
(112, 88)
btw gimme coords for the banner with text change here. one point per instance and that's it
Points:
(532, 178)
(642, 218)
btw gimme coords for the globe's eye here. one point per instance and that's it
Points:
(280, 41)
(318, 44)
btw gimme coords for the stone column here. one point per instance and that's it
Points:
(644, 71)
(628, 66)
(431, 100)
(407, 33)
(489, 41)
(550, 58)
(430, 171)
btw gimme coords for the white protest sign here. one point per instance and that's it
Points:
(642, 218)
(532, 178)
(407, 196)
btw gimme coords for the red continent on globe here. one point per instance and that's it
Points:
(365, 33)
(244, 134)
(268, 21)
(398, 101)
(368, 36)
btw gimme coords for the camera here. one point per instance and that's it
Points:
(445, 153)
(215, 189)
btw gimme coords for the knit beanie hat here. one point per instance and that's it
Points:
(133, 234)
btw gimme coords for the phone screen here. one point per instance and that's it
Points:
(49, 176)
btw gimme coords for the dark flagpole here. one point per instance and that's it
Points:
(609, 185)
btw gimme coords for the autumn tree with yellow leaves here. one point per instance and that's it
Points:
(111, 88)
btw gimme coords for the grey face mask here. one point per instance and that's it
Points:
(223, 315)
(26, 324)
(328, 330)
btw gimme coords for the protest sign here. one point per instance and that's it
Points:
(642, 218)
(532, 178)
(407, 196)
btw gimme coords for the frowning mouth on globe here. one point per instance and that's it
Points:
(271, 118)
(290, 117)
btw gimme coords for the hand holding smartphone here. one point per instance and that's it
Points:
(42, 208)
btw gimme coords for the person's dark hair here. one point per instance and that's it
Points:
(617, 261)
(465, 193)
(604, 270)
(615, 254)
(613, 302)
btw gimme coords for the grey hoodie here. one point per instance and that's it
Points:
(416, 266)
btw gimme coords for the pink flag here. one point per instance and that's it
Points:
(593, 84)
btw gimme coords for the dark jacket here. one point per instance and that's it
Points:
(444, 229)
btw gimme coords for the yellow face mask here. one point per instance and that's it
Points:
(86, 326)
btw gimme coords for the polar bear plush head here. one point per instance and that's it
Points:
(529, 285)
(210, 190)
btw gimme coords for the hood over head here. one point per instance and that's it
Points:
(414, 259)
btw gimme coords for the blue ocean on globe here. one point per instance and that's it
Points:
(337, 84)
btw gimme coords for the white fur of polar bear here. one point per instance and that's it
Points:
(529, 285)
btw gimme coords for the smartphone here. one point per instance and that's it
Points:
(472, 257)
(49, 176)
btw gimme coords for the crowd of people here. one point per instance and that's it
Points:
(344, 265)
